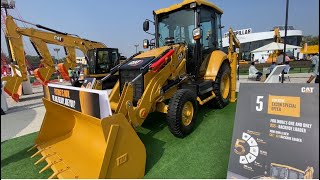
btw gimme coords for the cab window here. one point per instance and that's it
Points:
(207, 23)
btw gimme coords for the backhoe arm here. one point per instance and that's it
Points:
(232, 56)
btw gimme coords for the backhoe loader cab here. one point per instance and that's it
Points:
(280, 171)
(195, 23)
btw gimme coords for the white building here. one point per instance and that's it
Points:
(251, 41)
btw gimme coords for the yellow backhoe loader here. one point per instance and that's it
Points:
(280, 171)
(184, 69)
(39, 39)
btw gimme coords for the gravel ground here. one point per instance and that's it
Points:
(26, 116)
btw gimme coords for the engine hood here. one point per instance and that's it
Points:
(152, 53)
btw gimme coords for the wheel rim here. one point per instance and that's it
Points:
(225, 86)
(187, 113)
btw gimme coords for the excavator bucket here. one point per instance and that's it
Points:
(43, 74)
(13, 83)
(70, 63)
(76, 145)
(63, 69)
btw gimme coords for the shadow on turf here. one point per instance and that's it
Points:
(156, 123)
(154, 147)
(15, 157)
(201, 114)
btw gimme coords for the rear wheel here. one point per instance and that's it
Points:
(182, 113)
(222, 87)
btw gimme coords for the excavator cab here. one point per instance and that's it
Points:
(99, 63)
(101, 60)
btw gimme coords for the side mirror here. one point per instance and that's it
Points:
(197, 33)
(146, 25)
(146, 44)
(123, 58)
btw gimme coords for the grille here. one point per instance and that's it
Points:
(129, 75)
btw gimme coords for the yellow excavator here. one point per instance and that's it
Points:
(39, 39)
(184, 69)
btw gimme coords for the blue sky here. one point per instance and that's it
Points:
(119, 23)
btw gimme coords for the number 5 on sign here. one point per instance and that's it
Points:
(239, 148)
(259, 102)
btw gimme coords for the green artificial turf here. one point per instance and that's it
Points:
(203, 154)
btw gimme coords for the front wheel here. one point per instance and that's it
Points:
(222, 87)
(182, 112)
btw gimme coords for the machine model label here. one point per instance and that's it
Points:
(88, 101)
(276, 132)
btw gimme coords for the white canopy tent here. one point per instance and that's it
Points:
(275, 46)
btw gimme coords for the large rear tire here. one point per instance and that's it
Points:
(222, 87)
(182, 113)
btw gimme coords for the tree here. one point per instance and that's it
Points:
(34, 60)
(310, 40)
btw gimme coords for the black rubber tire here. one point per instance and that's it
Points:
(220, 102)
(174, 115)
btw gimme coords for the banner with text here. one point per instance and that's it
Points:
(88, 101)
(276, 132)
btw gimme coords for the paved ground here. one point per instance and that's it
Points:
(26, 116)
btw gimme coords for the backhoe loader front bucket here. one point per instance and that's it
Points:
(43, 74)
(12, 86)
(76, 145)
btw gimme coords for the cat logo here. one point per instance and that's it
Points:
(58, 38)
(307, 90)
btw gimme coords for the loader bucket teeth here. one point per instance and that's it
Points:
(12, 86)
(54, 175)
(40, 160)
(38, 152)
(33, 147)
(48, 166)
(43, 74)
(77, 145)
(63, 69)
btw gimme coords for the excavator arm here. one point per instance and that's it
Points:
(19, 73)
(44, 73)
(40, 39)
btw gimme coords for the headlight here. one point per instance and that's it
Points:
(197, 33)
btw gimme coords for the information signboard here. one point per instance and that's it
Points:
(88, 101)
(276, 132)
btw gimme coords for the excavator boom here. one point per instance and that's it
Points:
(40, 39)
